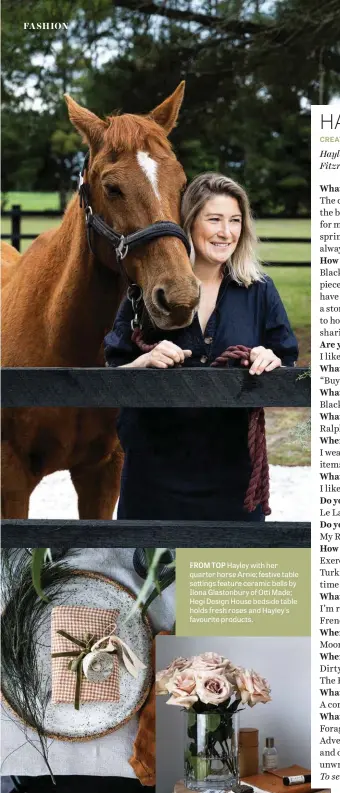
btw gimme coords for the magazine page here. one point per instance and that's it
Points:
(170, 172)
(325, 417)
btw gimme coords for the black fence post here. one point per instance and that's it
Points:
(16, 226)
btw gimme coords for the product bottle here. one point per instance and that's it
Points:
(270, 758)
(248, 739)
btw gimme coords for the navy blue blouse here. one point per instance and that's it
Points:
(193, 463)
(250, 316)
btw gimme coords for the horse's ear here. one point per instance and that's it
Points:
(166, 114)
(88, 124)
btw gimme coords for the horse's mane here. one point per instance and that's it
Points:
(128, 132)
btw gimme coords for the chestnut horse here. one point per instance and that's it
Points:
(61, 299)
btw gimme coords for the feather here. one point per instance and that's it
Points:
(22, 621)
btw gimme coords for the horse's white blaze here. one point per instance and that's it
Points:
(149, 167)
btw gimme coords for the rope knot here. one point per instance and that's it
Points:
(236, 352)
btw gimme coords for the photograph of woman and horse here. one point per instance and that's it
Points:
(156, 259)
(147, 272)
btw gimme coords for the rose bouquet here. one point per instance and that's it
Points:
(213, 691)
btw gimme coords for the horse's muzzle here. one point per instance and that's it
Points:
(173, 305)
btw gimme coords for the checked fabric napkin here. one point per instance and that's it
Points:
(77, 621)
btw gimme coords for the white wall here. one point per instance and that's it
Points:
(284, 661)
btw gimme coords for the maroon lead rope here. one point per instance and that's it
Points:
(258, 488)
(137, 338)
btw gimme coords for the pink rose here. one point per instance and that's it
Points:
(182, 687)
(179, 664)
(213, 688)
(162, 679)
(252, 687)
(183, 700)
(164, 676)
(207, 662)
(231, 672)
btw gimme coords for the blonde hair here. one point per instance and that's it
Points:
(243, 266)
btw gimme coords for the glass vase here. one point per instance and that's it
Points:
(211, 750)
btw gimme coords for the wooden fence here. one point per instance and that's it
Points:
(153, 534)
(16, 214)
(147, 388)
(153, 388)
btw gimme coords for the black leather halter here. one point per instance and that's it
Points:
(122, 244)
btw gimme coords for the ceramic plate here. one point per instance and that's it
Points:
(94, 719)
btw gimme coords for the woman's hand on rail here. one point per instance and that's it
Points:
(262, 360)
(162, 356)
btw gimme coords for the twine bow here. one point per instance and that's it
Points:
(116, 645)
(90, 644)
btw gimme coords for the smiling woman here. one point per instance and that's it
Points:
(215, 235)
(192, 464)
(219, 225)
(219, 207)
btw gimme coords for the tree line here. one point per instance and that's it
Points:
(252, 70)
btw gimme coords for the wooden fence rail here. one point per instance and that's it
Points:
(16, 214)
(153, 534)
(151, 388)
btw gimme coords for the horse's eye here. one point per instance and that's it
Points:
(112, 191)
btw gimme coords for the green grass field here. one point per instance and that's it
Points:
(283, 228)
(284, 252)
(34, 225)
(30, 201)
(293, 284)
